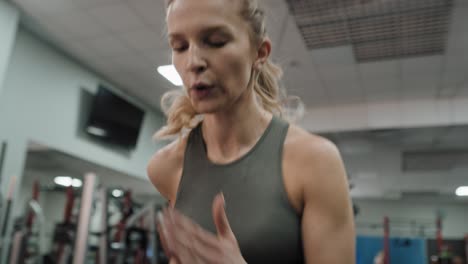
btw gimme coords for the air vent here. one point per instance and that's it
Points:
(377, 29)
(434, 160)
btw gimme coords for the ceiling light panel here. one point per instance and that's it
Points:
(376, 29)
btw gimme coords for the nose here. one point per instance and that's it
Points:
(196, 63)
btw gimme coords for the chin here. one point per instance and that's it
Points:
(207, 107)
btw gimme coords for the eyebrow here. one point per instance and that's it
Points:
(204, 31)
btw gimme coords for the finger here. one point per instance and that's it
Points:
(174, 261)
(179, 252)
(220, 218)
(163, 239)
(163, 233)
(193, 242)
(187, 231)
(196, 246)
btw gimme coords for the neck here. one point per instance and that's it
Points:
(231, 133)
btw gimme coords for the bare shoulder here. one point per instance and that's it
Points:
(310, 148)
(315, 163)
(165, 168)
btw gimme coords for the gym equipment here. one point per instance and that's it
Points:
(440, 239)
(4, 216)
(103, 239)
(134, 241)
(23, 249)
(81, 244)
(65, 232)
(403, 243)
(466, 247)
(386, 240)
(137, 238)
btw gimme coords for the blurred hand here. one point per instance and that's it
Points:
(186, 242)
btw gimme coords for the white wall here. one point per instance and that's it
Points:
(422, 212)
(41, 102)
(8, 25)
(390, 114)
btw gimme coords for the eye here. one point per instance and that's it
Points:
(216, 41)
(217, 44)
(180, 48)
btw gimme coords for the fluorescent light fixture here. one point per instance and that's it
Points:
(63, 181)
(76, 183)
(462, 191)
(169, 72)
(117, 193)
(96, 131)
(116, 245)
(68, 181)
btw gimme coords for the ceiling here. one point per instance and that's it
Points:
(379, 165)
(44, 164)
(377, 30)
(124, 42)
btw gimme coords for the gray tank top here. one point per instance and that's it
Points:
(266, 226)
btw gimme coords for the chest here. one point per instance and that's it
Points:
(257, 207)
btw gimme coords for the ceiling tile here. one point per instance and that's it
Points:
(419, 94)
(428, 65)
(47, 7)
(143, 39)
(106, 45)
(313, 96)
(342, 73)
(77, 24)
(158, 57)
(290, 43)
(118, 17)
(333, 57)
(453, 76)
(344, 92)
(459, 20)
(382, 95)
(295, 78)
(419, 82)
(153, 12)
(379, 84)
(81, 51)
(382, 69)
(88, 4)
(463, 92)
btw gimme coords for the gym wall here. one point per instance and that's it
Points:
(453, 226)
(40, 101)
(8, 23)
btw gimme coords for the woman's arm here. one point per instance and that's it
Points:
(327, 219)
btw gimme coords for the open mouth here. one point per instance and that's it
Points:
(202, 87)
(202, 91)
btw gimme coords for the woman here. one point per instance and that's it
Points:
(243, 185)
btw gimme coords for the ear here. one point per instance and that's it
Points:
(263, 52)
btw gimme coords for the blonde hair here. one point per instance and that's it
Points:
(265, 82)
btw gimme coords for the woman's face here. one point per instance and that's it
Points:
(211, 50)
